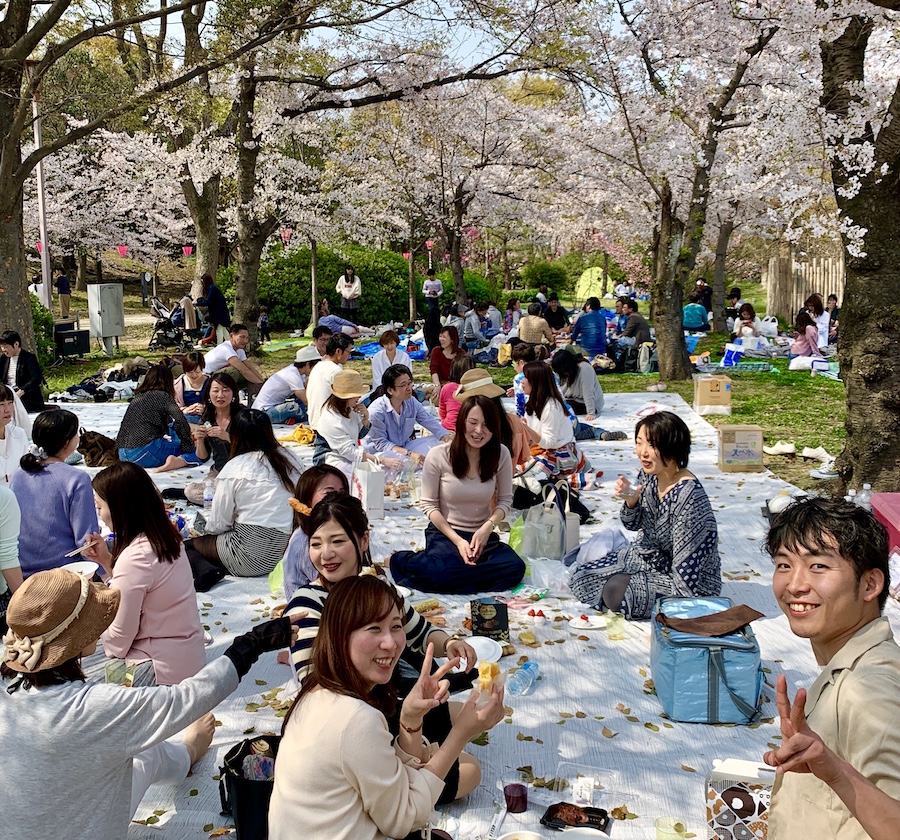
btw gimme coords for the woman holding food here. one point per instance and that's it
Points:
(340, 772)
(338, 532)
(466, 490)
(676, 549)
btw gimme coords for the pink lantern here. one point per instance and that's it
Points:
(463, 259)
(406, 255)
(40, 246)
(286, 234)
(187, 250)
(123, 250)
(446, 257)
(429, 244)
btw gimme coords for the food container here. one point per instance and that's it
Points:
(565, 815)
(490, 618)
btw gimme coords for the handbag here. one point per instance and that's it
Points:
(543, 532)
(703, 678)
(246, 801)
(572, 519)
(98, 449)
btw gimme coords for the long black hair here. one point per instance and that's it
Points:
(566, 366)
(51, 430)
(226, 381)
(251, 431)
(543, 388)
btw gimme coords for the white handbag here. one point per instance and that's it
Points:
(573, 520)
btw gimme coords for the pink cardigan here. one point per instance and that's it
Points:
(807, 344)
(448, 407)
(158, 617)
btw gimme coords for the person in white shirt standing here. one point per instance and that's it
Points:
(283, 397)
(231, 356)
(318, 386)
(350, 289)
(432, 288)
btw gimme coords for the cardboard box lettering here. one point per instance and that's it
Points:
(712, 395)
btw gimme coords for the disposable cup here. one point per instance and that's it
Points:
(670, 828)
(615, 627)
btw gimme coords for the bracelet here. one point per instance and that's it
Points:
(405, 728)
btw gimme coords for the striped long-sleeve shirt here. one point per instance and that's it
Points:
(312, 599)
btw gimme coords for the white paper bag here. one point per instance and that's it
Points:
(367, 484)
(573, 520)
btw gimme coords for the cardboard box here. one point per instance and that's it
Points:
(738, 794)
(712, 394)
(740, 449)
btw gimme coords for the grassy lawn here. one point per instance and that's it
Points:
(794, 406)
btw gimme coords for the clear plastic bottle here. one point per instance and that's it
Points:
(209, 492)
(522, 680)
(864, 497)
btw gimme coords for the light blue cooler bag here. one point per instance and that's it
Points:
(704, 679)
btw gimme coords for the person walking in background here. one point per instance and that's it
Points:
(64, 288)
(262, 325)
(350, 289)
(217, 314)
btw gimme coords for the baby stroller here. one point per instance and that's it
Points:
(165, 333)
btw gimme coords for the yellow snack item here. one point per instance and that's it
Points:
(486, 673)
(425, 606)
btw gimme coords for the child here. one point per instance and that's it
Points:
(263, 325)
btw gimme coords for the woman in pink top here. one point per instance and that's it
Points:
(157, 630)
(466, 490)
(806, 338)
(448, 407)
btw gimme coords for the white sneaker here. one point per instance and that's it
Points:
(817, 454)
(781, 448)
(826, 471)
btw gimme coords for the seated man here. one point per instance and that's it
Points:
(320, 336)
(555, 315)
(283, 397)
(231, 356)
(21, 371)
(637, 330)
(831, 580)
(473, 333)
(589, 331)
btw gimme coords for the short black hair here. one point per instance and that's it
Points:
(534, 309)
(10, 337)
(593, 303)
(860, 538)
(430, 272)
(734, 293)
(668, 434)
(338, 341)
(234, 329)
(623, 299)
(631, 303)
(553, 296)
(320, 331)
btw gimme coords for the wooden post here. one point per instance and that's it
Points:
(313, 283)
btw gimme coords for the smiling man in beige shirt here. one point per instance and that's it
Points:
(831, 581)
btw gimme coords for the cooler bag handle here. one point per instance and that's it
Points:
(751, 712)
(223, 795)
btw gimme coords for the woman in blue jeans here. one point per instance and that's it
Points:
(466, 490)
(153, 427)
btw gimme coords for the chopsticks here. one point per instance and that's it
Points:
(85, 547)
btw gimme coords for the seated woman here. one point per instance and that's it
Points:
(189, 387)
(550, 431)
(442, 356)
(448, 407)
(314, 485)
(10, 571)
(821, 317)
(105, 738)
(250, 522)
(834, 318)
(341, 773)
(157, 630)
(578, 383)
(13, 440)
(512, 315)
(676, 550)
(337, 324)
(806, 337)
(393, 419)
(747, 323)
(391, 354)
(466, 489)
(57, 498)
(153, 427)
(694, 316)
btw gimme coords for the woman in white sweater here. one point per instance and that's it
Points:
(550, 429)
(339, 773)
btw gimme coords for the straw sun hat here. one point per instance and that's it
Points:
(54, 616)
(477, 381)
(347, 384)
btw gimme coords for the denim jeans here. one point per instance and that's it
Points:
(153, 454)
(283, 412)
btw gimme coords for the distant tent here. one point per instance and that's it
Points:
(590, 284)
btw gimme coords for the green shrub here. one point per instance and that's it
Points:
(44, 339)
(546, 271)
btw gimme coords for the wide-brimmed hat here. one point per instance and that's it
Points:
(347, 384)
(307, 354)
(54, 616)
(477, 381)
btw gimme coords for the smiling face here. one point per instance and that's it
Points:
(376, 648)
(219, 395)
(477, 432)
(390, 347)
(821, 597)
(444, 341)
(333, 552)
(652, 462)
(320, 343)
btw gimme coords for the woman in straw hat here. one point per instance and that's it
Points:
(99, 746)
(466, 490)
(341, 421)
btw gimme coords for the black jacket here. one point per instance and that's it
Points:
(28, 379)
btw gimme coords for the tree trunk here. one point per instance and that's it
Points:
(725, 231)
(203, 206)
(454, 243)
(81, 275)
(98, 269)
(869, 337)
(412, 285)
(667, 292)
(15, 307)
(313, 282)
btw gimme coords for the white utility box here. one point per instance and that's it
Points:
(106, 309)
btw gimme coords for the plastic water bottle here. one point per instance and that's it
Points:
(209, 490)
(523, 679)
(864, 497)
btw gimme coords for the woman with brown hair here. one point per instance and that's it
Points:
(821, 317)
(153, 427)
(340, 773)
(466, 490)
(443, 355)
(191, 385)
(157, 631)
